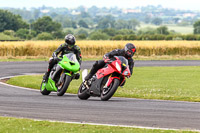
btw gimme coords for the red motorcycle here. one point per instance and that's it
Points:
(106, 81)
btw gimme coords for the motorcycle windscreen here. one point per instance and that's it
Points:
(69, 62)
(124, 63)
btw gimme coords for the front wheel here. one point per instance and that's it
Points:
(43, 89)
(107, 93)
(64, 86)
(82, 92)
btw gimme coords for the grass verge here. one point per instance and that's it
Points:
(92, 58)
(39, 58)
(165, 83)
(13, 125)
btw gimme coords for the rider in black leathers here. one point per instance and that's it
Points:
(127, 52)
(68, 47)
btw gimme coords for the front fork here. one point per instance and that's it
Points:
(110, 80)
(62, 76)
(61, 79)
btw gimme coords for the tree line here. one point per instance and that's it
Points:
(45, 28)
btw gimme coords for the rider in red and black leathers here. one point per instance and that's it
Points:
(68, 47)
(127, 52)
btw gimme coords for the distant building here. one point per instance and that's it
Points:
(131, 11)
(75, 12)
(45, 11)
(189, 15)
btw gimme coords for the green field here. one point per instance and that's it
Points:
(166, 83)
(176, 28)
(14, 125)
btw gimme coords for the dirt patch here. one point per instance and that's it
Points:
(4, 80)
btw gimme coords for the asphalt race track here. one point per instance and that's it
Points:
(28, 103)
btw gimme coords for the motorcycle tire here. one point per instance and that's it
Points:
(44, 91)
(107, 94)
(82, 94)
(65, 86)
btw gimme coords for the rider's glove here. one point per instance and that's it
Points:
(56, 58)
(106, 59)
(54, 55)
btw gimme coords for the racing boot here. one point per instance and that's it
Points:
(88, 77)
(92, 72)
(46, 76)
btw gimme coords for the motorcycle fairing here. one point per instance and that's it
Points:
(95, 87)
(55, 72)
(106, 70)
(50, 86)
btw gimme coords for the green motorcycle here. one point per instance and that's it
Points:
(61, 75)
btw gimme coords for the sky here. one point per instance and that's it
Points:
(176, 4)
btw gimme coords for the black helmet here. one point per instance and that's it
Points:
(130, 49)
(70, 39)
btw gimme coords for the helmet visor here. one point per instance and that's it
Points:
(129, 53)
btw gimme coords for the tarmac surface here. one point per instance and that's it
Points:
(28, 103)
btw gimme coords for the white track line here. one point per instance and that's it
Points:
(112, 125)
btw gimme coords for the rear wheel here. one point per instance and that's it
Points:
(62, 88)
(82, 92)
(107, 93)
(43, 89)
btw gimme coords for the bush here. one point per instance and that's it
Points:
(110, 31)
(125, 37)
(58, 34)
(44, 36)
(132, 37)
(169, 37)
(190, 37)
(178, 37)
(46, 24)
(68, 31)
(25, 33)
(22, 33)
(10, 21)
(160, 37)
(81, 36)
(124, 32)
(9, 32)
(118, 37)
(198, 37)
(98, 36)
(153, 37)
(163, 30)
(4, 37)
(144, 37)
(82, 31)
(29, 37)
(147, 31)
